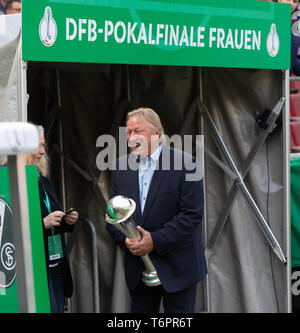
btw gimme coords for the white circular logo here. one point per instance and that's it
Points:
(7, 249)
(273, 41)
(8, 257)
(48, 28)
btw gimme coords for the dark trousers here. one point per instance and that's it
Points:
(148, 300)
(56, 288)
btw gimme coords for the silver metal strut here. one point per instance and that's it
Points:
(239, 183)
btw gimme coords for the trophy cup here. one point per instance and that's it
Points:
(119, 212)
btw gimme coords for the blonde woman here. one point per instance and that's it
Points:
(55, 223)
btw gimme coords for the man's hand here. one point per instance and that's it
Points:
(130, 242)
(141, 245)
(53, 219)
(71, 218)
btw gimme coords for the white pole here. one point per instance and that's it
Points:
(21, 234)
(286, 186)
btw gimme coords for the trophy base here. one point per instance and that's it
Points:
(151, 279)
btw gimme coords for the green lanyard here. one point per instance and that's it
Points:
(54, 241)
(46, 200)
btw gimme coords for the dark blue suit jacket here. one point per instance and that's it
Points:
(295, 63)
(172, 214)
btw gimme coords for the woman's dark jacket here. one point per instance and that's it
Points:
(55, 205)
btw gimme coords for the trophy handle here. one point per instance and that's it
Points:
(150, 277)
(148, 263)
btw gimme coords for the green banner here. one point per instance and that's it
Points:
(8, 265)
(220, 33)
(295, 211)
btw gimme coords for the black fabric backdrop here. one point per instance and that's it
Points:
(88, 100)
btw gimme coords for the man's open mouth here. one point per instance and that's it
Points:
(134, 145)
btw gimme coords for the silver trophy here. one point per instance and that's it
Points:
(119, 211)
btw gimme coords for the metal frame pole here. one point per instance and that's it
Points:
(21, 234)
(61, 145)
(22, 79)
(207, 304)
(94, 263)
(286, 185)
(19, 204)
(240, 183)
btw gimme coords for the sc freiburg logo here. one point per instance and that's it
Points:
(7, 249)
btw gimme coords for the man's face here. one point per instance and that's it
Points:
(141, 137)
(291, 2)
(16, 8)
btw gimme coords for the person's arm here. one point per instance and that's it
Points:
(66, 225)
(178, 231)
(53, 219)
(71, 218)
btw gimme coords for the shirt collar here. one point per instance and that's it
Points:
(155, 155)
(153, 158)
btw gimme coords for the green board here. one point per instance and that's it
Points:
(295, 211)
(219, 33)
(8, 266)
